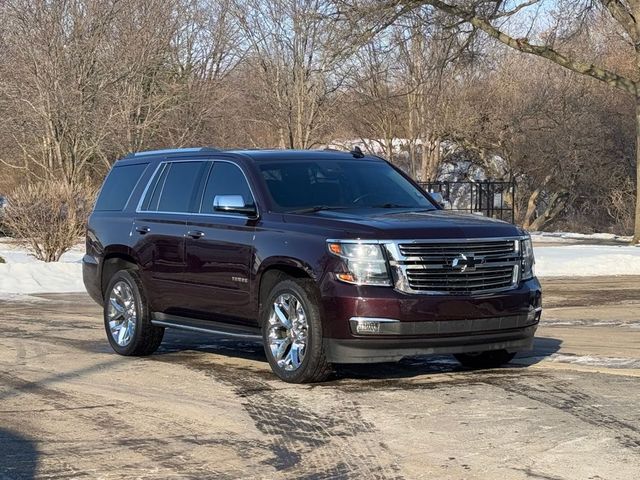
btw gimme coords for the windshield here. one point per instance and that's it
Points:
(336, 184)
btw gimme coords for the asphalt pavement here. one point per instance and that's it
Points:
(208, 407)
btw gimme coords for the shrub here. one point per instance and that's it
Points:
(2, 260)
(49, 217)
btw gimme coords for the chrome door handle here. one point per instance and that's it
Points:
(195, 234)
(142, 230)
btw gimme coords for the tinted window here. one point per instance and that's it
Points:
(174, 188)
(118, 187)
(179, 189)
(153, 193)
(354, 184)
(225, 179)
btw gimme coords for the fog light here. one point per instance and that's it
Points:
(534, 315)
(367, 326)
(374, 326)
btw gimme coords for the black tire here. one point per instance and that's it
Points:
(146, 337)
(314, 366)
(489, 359)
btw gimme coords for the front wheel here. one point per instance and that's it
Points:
(489, 359)
(292, 333)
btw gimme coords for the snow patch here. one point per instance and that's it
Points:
(593, 361)
(587, 260)
(558, 237)
(22, 274)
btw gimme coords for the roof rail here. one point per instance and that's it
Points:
(169, 151)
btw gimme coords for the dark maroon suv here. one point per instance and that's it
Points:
(326, 257)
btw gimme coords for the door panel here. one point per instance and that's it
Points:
(161, 231)
(219, 267)
(220, 250)
(161, 253)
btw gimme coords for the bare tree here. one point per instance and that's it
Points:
(292, 45)
(83, 82)
(53, 84)
(567, 142)
(174, 56)
(429, 58)
(376, 97)
(489, 16)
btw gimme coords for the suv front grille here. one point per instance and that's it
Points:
(474, 266)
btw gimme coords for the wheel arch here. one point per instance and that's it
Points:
(113, 262)
(272, 273)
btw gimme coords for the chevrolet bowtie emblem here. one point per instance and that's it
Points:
(466, 263)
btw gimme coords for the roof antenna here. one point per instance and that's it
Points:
(357, 152)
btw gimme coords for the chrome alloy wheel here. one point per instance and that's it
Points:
(122, 313)
(287, 334)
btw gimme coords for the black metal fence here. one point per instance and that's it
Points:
(492, 199)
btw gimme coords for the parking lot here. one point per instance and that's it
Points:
(207, 407)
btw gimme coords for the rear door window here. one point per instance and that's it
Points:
(118, 187)
(175, 187)
(153, 194)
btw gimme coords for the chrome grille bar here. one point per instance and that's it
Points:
(461, 267)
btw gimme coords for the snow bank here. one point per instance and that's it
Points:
(40, 277)
(23, 274)
(559, 237)
(587, 260)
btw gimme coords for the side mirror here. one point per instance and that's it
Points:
(232, 204)
(438, 198)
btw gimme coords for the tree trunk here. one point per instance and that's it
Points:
(531, 209)
(532, 204)
(557, 204)
(412, 157)
(430, 159)
(636, 234)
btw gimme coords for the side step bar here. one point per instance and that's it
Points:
(205, 326)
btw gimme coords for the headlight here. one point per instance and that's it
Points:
(528, 260)
(364, 260)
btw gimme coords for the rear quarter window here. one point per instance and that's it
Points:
(118, 187)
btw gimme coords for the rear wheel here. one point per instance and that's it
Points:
(127, 319)
(292, 333)
(488, 359)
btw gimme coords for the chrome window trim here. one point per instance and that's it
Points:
(162, 174)
(212, 161)
(136, 185)
(146, 188)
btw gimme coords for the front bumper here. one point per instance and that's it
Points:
(425, 324)
(367, 350)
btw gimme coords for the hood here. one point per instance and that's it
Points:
(394, 224)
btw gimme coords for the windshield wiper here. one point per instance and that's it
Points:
(316, 208)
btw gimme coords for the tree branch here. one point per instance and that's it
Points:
(623, 16)
(523, 45)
